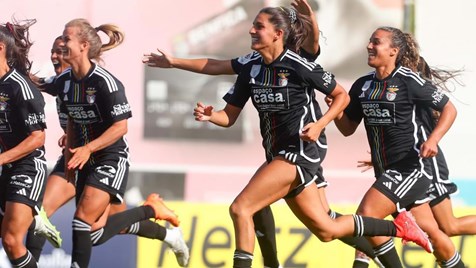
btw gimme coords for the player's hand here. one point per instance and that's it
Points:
(160, 59)
(202, 112)
(303, 7)
(310, 132)
(62, 141)
(365, 165)
(80, 156)
(429, 149)
(329, 99)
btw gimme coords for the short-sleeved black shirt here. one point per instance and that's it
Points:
(21, 109)
(392, 111)
(94, 103)
(283, 94)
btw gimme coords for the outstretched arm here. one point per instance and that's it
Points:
(202, 66)
(311, 44)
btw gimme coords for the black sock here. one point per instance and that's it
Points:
(34, 243)
(82, 245)
(26, 261)
(148, 229)
(387, 254)
(360, 264)
(366, 226)
(360, 243)
(120, 221)
(266, 235)
(454, 262)
(242, 259)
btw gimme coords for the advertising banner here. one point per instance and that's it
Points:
(209, 233)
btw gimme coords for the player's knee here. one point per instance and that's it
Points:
(365, 210)
(237, 211)
(325, 235)
(450, 229)
(11, 243)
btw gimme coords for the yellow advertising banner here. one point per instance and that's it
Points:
(209, 233)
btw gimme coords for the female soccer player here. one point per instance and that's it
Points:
(96, 103)
(22, 153)
(392, 101)
(281, 86)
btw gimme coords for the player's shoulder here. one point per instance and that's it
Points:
(408, 76)
(106, 78)
(294, 60)
(21, 84)
(63, 76)
(366, 77)
(250, 57)
(363, 82)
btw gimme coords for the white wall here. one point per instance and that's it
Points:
(446, 33)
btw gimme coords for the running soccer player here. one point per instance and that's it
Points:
(391, 100)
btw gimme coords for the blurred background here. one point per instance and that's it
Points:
(201, 167)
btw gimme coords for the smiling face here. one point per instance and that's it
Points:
(263, 33)
(74, 48)
(380, 50)
(57, 56)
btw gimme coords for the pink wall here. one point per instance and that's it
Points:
(215, 170)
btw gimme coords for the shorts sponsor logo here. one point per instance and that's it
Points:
(394, 176)
(21, 180)
(106, 170)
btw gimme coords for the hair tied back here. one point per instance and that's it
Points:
(9, 27)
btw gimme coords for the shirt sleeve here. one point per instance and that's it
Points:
(427, 95)
(115, 102)
(239, 93)
(49, 86)
(318, 78)
(308, 56)
(354, 110)
(238, 63)
(32, 111)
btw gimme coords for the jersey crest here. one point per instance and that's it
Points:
(3, 102)
(391, 93)
(283, 80)
(91, 97)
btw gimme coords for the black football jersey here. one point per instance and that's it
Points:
(94, 103)
(392, 111)
(21, 109)
(283, 94)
